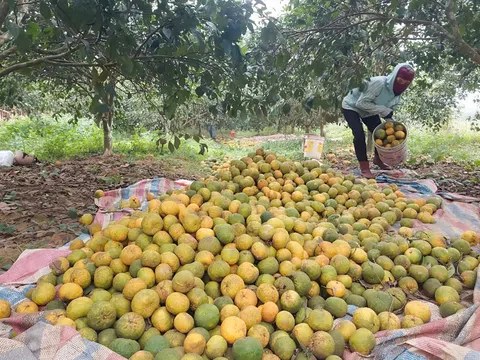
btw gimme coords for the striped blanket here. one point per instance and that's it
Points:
(457, 215)
(44, 341)
(456, 337)
(109, 204)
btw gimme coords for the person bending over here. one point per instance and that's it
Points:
(378, 98)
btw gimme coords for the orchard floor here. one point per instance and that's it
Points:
(39, 203)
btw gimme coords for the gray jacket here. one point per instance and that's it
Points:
(377, 97)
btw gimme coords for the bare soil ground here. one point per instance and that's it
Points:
(276, 137)
(38, 203)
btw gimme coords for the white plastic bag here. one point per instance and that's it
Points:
(6, 158)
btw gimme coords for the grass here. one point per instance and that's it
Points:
(455, 143)
(58, 140)
(49, 139)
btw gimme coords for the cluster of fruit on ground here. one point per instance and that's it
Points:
(258, 261)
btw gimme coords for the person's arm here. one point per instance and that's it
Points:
(394, 103)
(366, 101)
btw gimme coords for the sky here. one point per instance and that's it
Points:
(468, 106)
(275, 6)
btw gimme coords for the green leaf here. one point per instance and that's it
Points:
(14, 30)
(9, 229)
(109, 89)
(451, 270)
(126, 64)
(10, 197)
(286, 108)
(264, 110)
(103, 75)
(203, 148)
(167, 32)
(318, 67)
(102, 108)
(323, 104)
(426, 263)
(298, 93)
(232, 112)
(236, 54)
(169, 108)
(176, 142)
(415, 4)
(23, 42)
(45, 10)
(161, 141)
(200, 91)
(72, 213)
(213, 110)
(196, 138)
(171, 147)
(33, 30)
(269, 33)
(200, 39)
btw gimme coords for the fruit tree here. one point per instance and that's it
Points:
(113, 49)
(331, 47)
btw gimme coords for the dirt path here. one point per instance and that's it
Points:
(277, 137)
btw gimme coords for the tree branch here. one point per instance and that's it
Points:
(77, 64)
(87, 92)
(3, 11)
(374, 17)
(32, 63)
(52, 52)
(149, 36)
(140, 58)
(461, 44)
(455, 36)
(6, 53)
(3, 38)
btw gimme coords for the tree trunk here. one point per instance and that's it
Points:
(199, 128)
(108, 121)
(322, 127)
(279, 127)
(3, 11)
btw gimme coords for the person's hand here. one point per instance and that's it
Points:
(389, 116)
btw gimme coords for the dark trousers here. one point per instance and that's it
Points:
(355, 123)
(212, 131)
